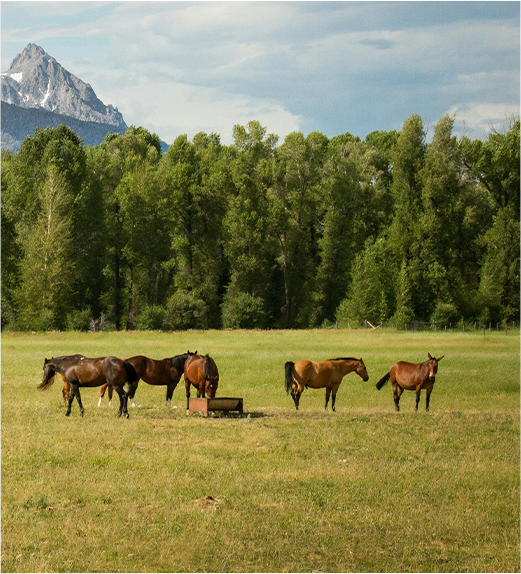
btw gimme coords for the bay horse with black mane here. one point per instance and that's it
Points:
(79, 371)
(155, 372)
(201, 372)
(329, 374)
(412, 377)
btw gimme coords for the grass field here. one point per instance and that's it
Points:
(362, 489)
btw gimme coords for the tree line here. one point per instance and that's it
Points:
(259, 235)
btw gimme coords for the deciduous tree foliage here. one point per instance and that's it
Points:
(260, 235)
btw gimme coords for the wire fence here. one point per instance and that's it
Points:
(461, 326)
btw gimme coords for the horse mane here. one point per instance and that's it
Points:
(344, 359)
(178, 362)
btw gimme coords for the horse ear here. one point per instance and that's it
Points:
(46, 361)
(438, 360)
(430, 356)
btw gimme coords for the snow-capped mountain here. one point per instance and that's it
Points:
(37, 80)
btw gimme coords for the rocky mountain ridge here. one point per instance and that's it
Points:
(38, 91)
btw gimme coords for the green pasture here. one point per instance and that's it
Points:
(362, 489)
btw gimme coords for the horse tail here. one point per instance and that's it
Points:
(132, 376)
(288, 368)
(383, 380)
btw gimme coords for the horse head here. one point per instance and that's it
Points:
(49, 371)
(433, 366)
(361, 370)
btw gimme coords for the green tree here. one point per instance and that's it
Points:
(455, 212)
(249, 245)
(11, 250)
(408, 162)
(351, 212)
(372, 291)
(119, 160)
(145, 234)
(195, 183)
(293, 202)
(44, 294)
(500, 280)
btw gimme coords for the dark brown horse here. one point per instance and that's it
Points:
(164, 372)
(78, 371)
(329, 374)
(412, 377)
(201, 372)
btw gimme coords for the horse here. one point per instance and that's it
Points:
(201, 372)
(66, 389)
(412, 377)
(155, 372)
(78, 371)
(329, 374)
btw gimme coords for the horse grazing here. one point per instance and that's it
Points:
(329, 374)
(164, 372)
(412, 377)
(78, 371)
(201, 372)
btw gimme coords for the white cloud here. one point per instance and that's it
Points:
(479, 119)
(182, 67)
(171, 109)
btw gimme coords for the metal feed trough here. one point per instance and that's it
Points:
(204, 406)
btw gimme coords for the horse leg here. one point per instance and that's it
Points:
(66, 391)
(295, 393)
(333, 398)
(72, 393)
(187, 388)
(169, 392)
(418, 392)
(428, 392)
(111, 392)
(397, 393)
(328, 392)
(78, 398)
(132, 388)
(122, 401)
(102, 390)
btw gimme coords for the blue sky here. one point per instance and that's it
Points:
(334, 67)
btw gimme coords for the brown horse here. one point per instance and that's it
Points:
(412, 377)
(329, 374)
(78, 371)
(201, 372)
(66, 389)
(164, 372)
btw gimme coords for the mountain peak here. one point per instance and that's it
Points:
(36, 80)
